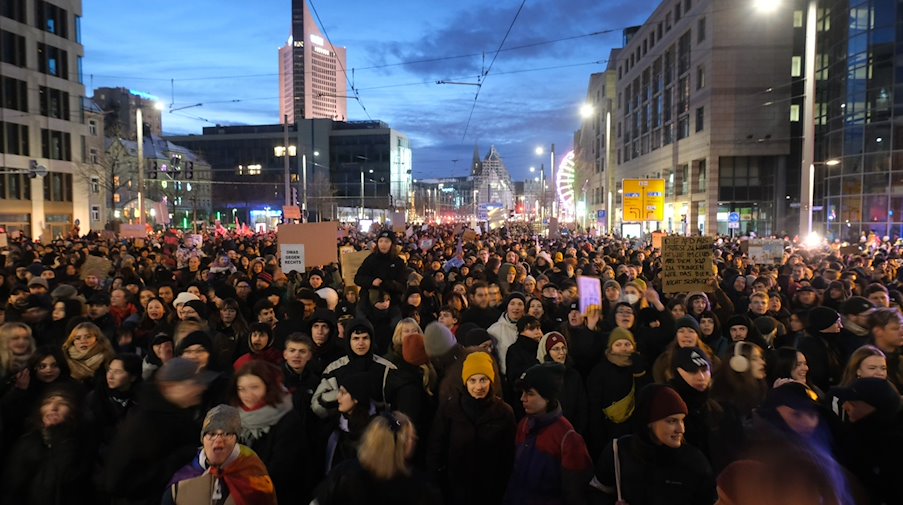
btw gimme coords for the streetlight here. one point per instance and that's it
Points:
(807, 168)
(292, 151)
(586, 111)
(139, 123)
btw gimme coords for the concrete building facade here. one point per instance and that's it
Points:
(312, 80)
(705, 100)
(595, 149)
(41, 117)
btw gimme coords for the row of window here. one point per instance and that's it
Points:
(48, 17)
(640, 52)
(51, 60)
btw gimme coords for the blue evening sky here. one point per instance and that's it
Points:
(223, 54)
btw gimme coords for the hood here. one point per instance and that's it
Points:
(359, 322)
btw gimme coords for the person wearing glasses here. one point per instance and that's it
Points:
(223, 471)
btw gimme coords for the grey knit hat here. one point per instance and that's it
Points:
(222, 418)
(438, 340)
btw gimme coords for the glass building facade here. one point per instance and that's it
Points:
(859, 119)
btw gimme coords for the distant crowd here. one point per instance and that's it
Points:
(461, 370)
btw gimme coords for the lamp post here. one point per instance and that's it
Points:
(542, 185)
(807, 165)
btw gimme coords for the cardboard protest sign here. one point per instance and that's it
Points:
(590, 292)
(766, 251)
(132, 231)
(319, 240)
(291, 257)
(469, 236)
(351, 262)
(657, 239)
(291, 212)
(4, 241)
(97, 266)
(850, 249)
(686, 264)
(195, 239)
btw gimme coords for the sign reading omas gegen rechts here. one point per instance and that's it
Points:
(292, 257)
(686, 264)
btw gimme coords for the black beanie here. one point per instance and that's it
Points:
(688, 322)
(547, 379)
(198, 307)
(357, 385)
(196, 338)
(821, 318)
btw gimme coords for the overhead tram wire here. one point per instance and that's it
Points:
(341, 66)
(491, 63)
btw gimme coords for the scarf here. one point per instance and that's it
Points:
(245, 476)
(257, 423)
(83, 364)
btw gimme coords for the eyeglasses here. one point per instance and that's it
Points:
(224, 436)
(627, 312)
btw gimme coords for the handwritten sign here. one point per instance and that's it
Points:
(469, 236)
(398, 224)
(351, 263)
(426, 244)
(686, 264)
(766, 251)
(4, 242)
(292, 257)
(590, 291)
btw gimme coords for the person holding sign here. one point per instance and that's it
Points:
(383, 269)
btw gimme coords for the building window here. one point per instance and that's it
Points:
(53, 61)
(54, 103)
(796, 64)
(700, 30)
(13, 9)
(687, 6)
(56, 145)
(700, 77)
(15, 94)
(12, 48)
(797, 19)
(677, 12)
(51, 18)
(95, 185)
(14, 139)
(700, 118)
(93, 156)
(683, 127)
(794, 112)
(92, 128)
(95, 213)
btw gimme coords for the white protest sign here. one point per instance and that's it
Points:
(195, 239)
(590, 292)
(292, 257)
(766, 251)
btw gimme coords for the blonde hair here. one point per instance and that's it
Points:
(396, 337)
(8, 361)
(384, 445)
(855, 361)
(102, 340)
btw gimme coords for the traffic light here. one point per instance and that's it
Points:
(294, 196)
(189, 170)
(152, 174)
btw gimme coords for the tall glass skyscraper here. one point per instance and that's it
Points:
(859, 118)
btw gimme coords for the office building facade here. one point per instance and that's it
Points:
(706, 100)
(857, 124)
(312, 80)
(42, 123)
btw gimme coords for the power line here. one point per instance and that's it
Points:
(341, 66)
(491, 63)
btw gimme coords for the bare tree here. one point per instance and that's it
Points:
(112, 169)
(321, 194)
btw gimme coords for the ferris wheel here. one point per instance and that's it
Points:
(564, 184)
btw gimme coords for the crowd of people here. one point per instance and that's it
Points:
(159, 370)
